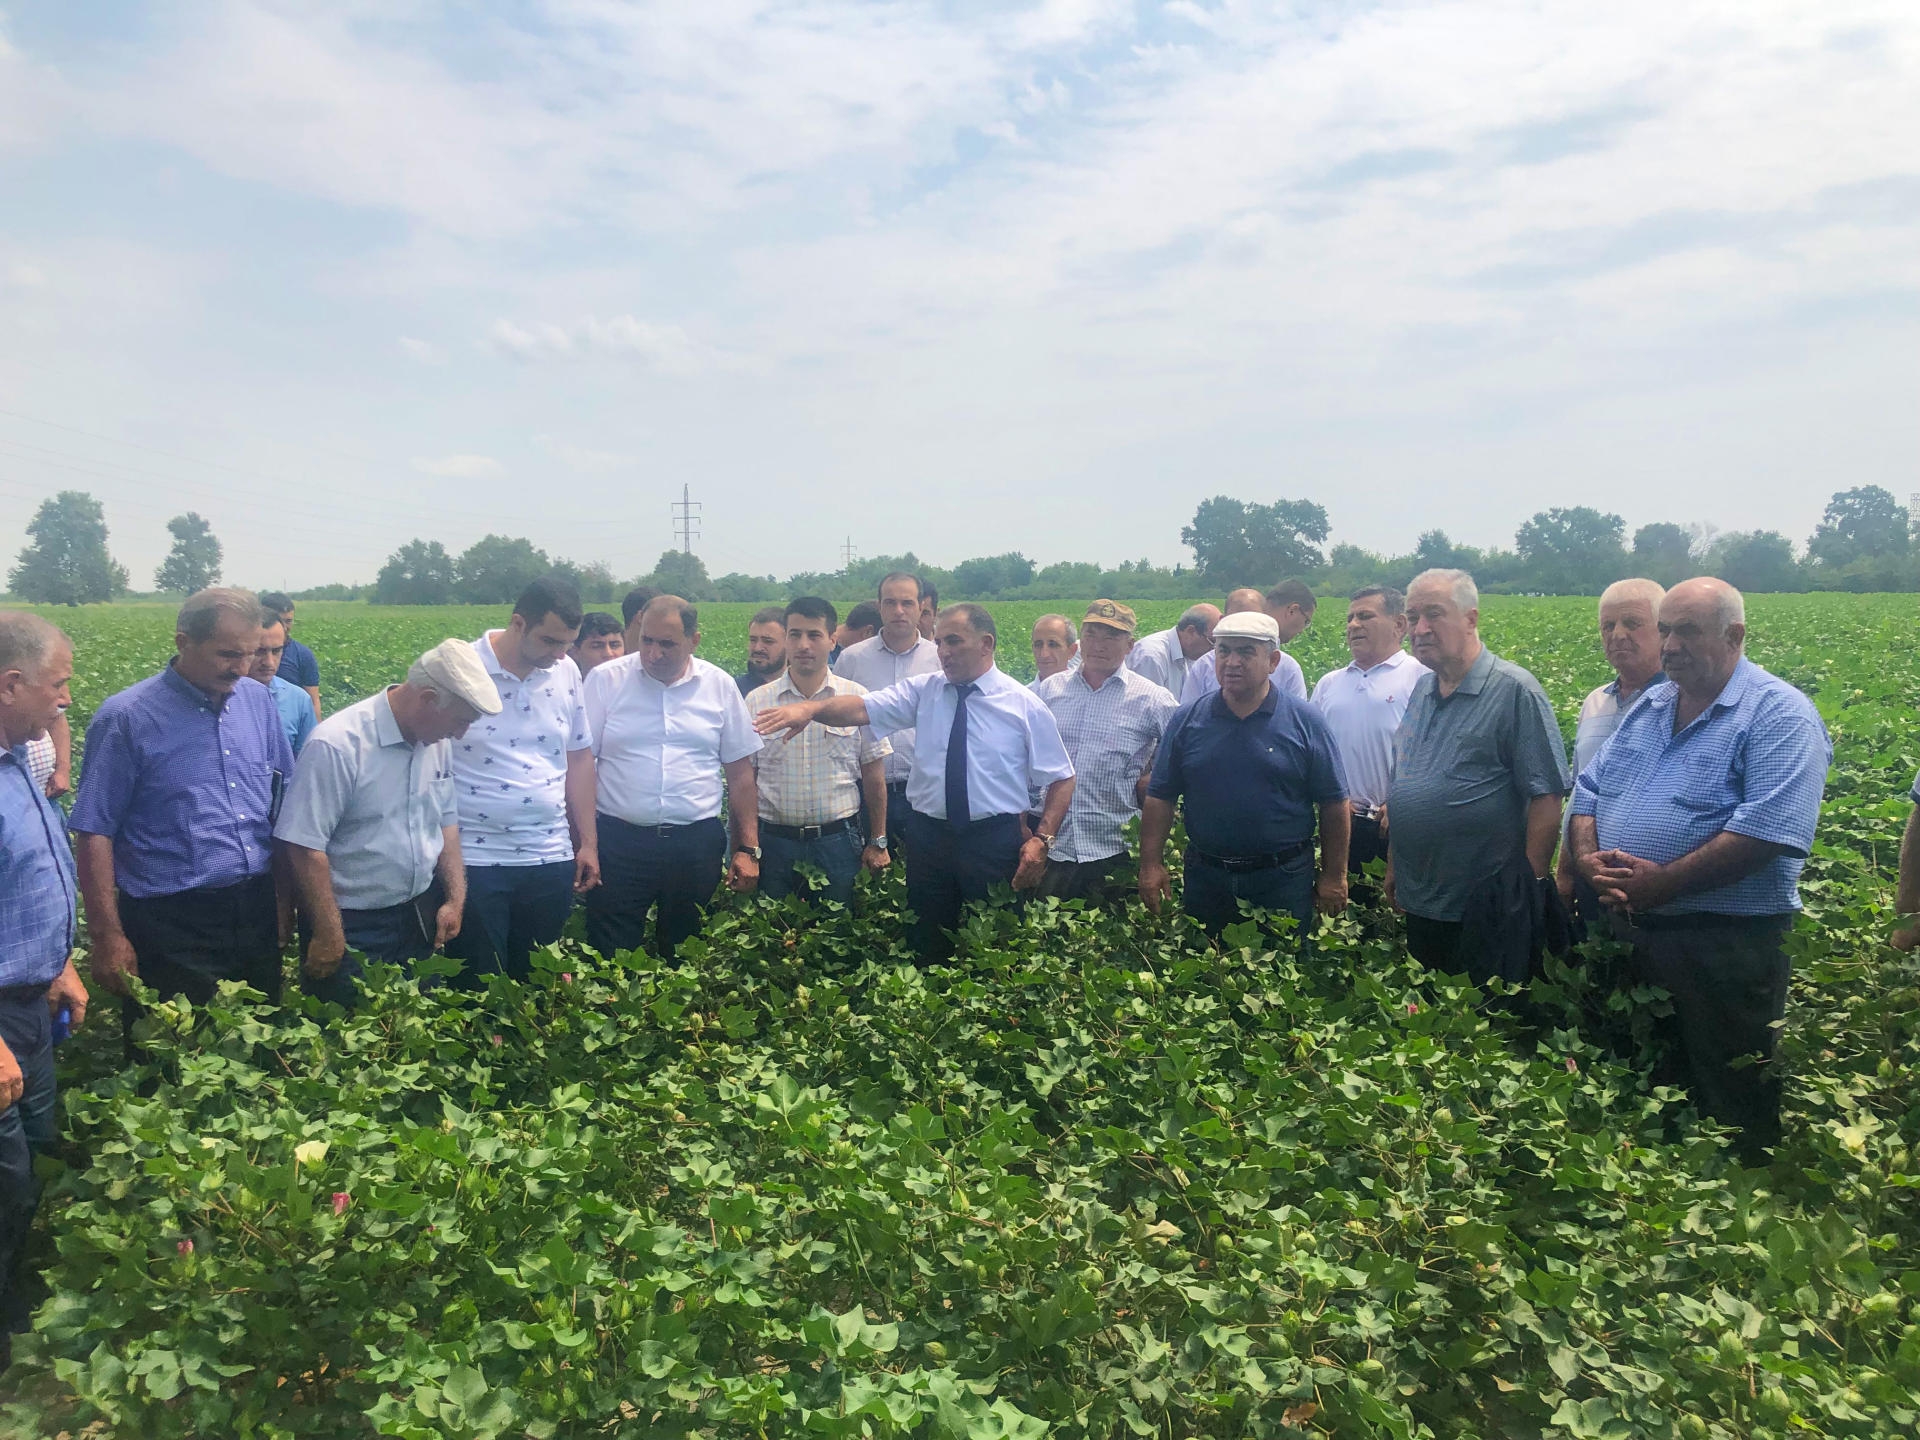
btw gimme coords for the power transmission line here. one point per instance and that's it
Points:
(686, 519)
(849, 554)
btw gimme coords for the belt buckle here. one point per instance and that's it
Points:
(662, 832)
(812, 832)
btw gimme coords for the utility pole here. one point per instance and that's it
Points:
(686, 519)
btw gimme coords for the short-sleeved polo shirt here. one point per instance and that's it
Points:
(1466, 767)
(1364, 708)
(510, 769)
(1754, 762)
(374, 802)
(1250, 785)
(298, 665)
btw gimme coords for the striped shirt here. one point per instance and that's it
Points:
(36, 877)
(1753, 763)
(814, 778)
(1111, 735)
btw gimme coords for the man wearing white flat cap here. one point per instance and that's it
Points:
(1255, 765)
(370, 824)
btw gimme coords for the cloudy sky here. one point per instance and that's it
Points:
(953, 277)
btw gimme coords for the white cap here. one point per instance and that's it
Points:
(453, 669)
(1248, 625)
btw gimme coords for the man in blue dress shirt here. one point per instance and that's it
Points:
(1253, 763)
(298, 667)
(1693, 824)
(184, 774)
(983, 743)
(37, 977)
(296, 710)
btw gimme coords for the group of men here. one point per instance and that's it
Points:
(572, 758)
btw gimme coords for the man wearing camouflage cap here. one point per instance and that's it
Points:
(1111, 720)
(370, 825)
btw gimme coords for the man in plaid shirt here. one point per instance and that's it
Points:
(1111, 719)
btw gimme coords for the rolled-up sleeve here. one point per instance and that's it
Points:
(1786, 773)
(321, 790)
(107, 775)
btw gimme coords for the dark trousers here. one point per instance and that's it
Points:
(1366, 846)
(899, 817)
(391, 934)
(1436, 943)
(1090, 880)
(186, 944)
(511, 909)
(837, 856)
(950, 867)
(676, 867)
(26, 1126)
(1212, 895)
(1728, 979)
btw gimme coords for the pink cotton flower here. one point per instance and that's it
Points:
(1573, 1066)
(340, 1202)
(1412, 1009)
(497, 1040)
(185, 1247)
(566, 977)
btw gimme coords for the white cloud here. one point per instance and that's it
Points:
(422, 351)
(22, 276)
(662, 348)
(461, 467)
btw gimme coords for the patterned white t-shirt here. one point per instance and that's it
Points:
(510, 769)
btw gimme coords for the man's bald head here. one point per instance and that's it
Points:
(1703, 629)
(1245, 599)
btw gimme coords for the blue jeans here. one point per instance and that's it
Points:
(950, 867)
(640, 867)
(1213, 896)
(837, 855)
(392, 934)
(511, 909)
(26, 1126)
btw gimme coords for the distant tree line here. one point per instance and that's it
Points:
(1864, 542)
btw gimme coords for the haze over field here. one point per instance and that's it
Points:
(955, 279)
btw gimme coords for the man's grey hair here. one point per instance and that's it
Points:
(1392, 603)
(1194, 617)
(1625, 592)
(26, 641)
(1073, 631)
(1460, 587)
(1729, 608)
(200, 616)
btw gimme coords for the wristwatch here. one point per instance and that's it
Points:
(1046, 840)
(879, 842)
(753, 850)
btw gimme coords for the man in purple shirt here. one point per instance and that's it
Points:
(183, 778)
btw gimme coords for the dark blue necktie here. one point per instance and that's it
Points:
(957, 811)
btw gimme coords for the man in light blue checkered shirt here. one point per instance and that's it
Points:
(1692, 825)
(37, 978)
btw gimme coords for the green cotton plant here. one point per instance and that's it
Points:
(1097, 1179)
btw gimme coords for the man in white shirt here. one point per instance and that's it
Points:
(1165, 656)
(1111, 719)
(1364, 702)
(1630, 632)
(893, 655)
(1056, 646)
(1291, 604)
(524, 786)
(984, 742)
(811, 787)
(669, 733)
(369, 824)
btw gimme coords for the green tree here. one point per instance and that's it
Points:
(1865, 523)
(420, 572)
(743, 589)
(987, 576)
(1236, 543)
(65, 560)
(1434, 551)
(1572, 550)
(1663, 552)
(678, 573)
(1759, 561)
(594, 580)
(496, 568)
(1067, 578)
(194, 562)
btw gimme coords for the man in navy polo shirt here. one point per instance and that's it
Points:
(1253, 764)
(1693, 824)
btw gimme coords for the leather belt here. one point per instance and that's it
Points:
(1237, 864)
(810, 832)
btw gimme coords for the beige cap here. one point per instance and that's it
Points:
(1248, 625)
(452, 668)
(1111, 613)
